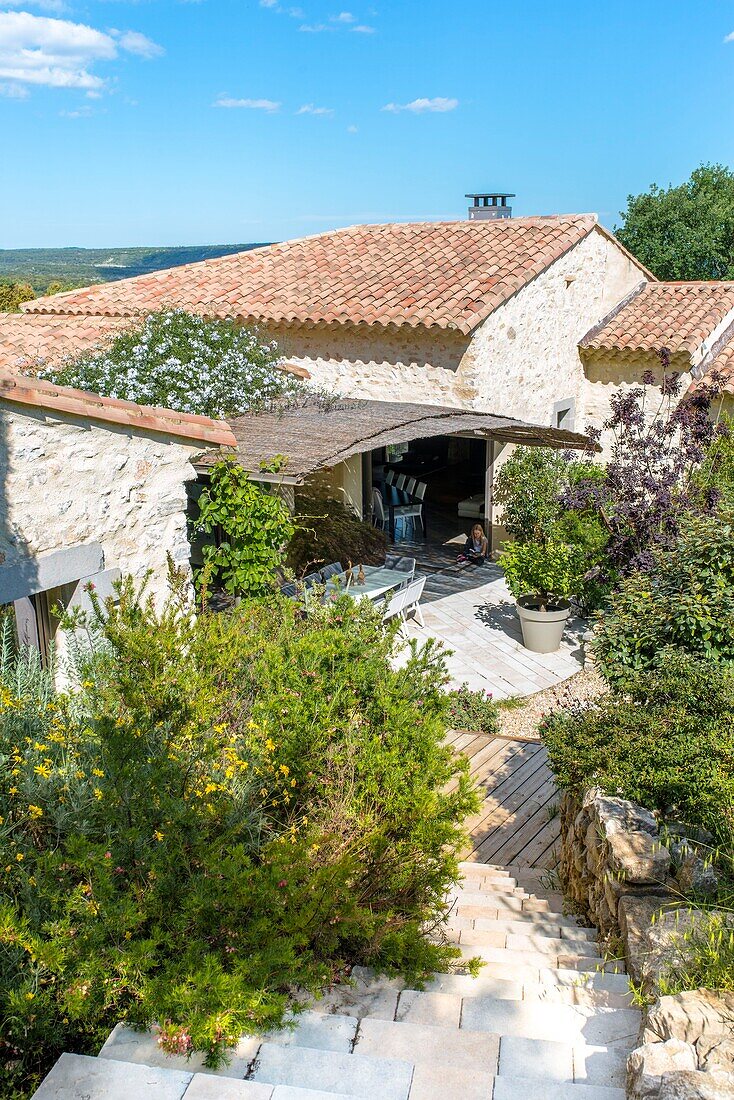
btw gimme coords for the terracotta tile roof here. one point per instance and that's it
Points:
(722, 366)
(25, 337)
(20, 390)
(448, 274)
(679, 316)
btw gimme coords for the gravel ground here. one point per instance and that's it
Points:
(522, 721)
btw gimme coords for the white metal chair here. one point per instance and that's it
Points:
(413, 594)
(395, 608)
(379, 515)
(410, 486)
(390, 477)
(400, 483)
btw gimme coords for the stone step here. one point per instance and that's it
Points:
(475, 903)
(530, 960)
(124, 1044)
(427, 1045)
(380, 997)
(550, 1062)
(532, 942)
(527, 1088)
(532, 1019)
(523, 924)
(76, 1076)
(353, 1075)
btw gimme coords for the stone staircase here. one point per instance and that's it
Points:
(545, 1019)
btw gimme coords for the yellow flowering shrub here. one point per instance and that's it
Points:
(225, 808)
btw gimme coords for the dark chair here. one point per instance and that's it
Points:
(331, 570)
(288, 589)
(400, 563)
(310, 580)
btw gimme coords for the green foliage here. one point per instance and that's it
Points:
(181, 361)
(254, 527)
(530, 486)
(687, 601)
(706, 957)
(13, 294)
(687, 231)
(550, 570)
(473, 710)
(715, 475)
(328, 531)
(227, 808)
(666, 741)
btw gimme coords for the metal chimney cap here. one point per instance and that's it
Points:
(490, 195)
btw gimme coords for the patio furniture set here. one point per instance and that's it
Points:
(395, 582)
(398, 500)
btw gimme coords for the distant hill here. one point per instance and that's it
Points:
(82, 266)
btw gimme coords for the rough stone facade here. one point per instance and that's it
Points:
(625, 880)
(68, 481)
(519, 362)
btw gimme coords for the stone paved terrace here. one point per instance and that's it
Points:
(471, 611)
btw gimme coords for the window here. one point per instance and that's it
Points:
(35, 624)
(564, 414)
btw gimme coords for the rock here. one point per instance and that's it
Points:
(690, 1015)
(696, 1085)
(619, 815)
(647, 1064)
(695, 877)
(715, 1053)
(667, 947)
(635, 914)
(638, 857)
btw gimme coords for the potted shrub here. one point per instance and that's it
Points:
(542, 577)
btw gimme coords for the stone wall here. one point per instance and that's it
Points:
(67, 481)
(619, 874)
(518, 362)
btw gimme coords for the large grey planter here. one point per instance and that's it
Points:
(542, 630)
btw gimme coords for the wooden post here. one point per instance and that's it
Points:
(489, 494)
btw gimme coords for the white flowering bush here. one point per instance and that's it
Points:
(178, 360)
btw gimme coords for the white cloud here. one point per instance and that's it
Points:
(14, 91)
(139, 44)
(36, 49)
(344, 17)
(419, 106)
(309, 109)
(45, 5)
(268, 105)
(362, 28)
(268, 3)
(315, 28)
(81, 112)
(729, 37)
(352, 130)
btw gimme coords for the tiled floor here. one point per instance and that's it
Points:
(470, 609)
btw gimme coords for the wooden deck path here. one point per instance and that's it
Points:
(518, 820)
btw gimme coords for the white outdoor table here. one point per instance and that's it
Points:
(377, 581)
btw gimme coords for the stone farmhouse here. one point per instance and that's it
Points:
(90, 487)
(453, 340)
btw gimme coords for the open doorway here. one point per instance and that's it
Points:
(444, 479)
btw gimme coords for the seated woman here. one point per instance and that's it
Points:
(476, 548)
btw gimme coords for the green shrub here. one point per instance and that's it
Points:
(550, 570)
(528, 487)
(686, 601)
(706, 957)
(254, 527)
(666, 740)
(328, 531)
(473, 710)
(227, 808)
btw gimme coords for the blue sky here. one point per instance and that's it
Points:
(179, 122)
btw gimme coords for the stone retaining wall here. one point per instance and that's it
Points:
(620, 875)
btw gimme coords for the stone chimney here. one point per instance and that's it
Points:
(490, 206)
